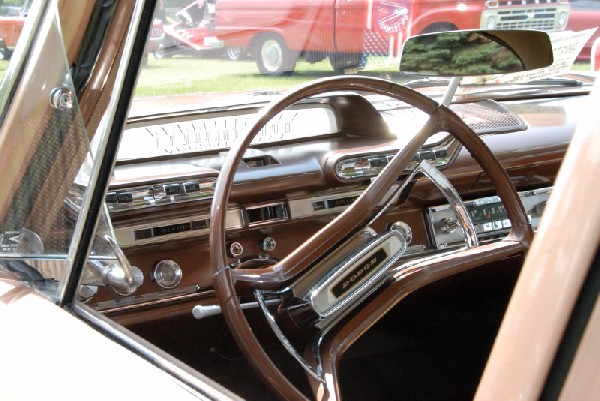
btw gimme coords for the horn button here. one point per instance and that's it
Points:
(358, 275)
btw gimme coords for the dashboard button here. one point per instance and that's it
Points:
(268, 244)
(234, 249)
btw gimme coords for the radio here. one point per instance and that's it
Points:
(488, 216)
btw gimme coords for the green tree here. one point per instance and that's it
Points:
(458, 53)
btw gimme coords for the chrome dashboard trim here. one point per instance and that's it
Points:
(131, 235)
(210, 132)
(128, 236)
(159, 194)
(152, 299)
(533, 202)
(270, 212)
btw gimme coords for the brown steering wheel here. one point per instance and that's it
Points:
(226, 280)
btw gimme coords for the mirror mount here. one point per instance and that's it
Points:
(451, 91)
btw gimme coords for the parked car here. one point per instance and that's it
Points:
(585, 14)
(11, 23)
(425, 234)
(183, 39)
(156, 37)
(346, 32)
(191, 33)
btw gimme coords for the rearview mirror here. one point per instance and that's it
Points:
(477, 52)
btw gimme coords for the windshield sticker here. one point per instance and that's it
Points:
(565, 47)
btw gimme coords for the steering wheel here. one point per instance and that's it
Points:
(322, 363)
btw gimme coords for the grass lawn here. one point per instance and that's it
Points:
(3, 67)
(195, 75)
(188, 75)
(181, 75)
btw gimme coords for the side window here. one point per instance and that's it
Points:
(46, 158)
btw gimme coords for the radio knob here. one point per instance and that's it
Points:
(447, 224)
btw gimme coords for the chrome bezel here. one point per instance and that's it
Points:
(159, 270)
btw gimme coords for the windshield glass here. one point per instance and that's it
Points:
(216, 55)
(219, 52)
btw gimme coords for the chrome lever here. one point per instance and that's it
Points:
(122, 277)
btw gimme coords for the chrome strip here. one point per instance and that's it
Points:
(316, 374)
(454, 200)
(164, 297)
(126, 235)
(103, 132)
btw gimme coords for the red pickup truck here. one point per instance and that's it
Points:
(346, 31)
(11, 26)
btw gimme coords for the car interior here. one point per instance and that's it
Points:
(427, 325)
(355, 237)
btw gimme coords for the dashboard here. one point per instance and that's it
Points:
(305, 169)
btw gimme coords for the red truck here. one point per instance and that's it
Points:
(277, 33)
(11, 25)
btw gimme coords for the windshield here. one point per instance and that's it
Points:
(215, 55)
(232, 51)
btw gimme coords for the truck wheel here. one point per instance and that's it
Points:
(234, 53)
(341, 62)
(273, 57)
(159, 54)
(5, 52)
(162, 53)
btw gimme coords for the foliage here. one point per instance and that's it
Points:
(18, 3)
(454, 53)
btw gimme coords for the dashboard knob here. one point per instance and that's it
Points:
(167, 274)
(234, 249)
(268, 244)
(448, 225)
(404, 230)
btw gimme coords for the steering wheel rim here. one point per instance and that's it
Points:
(225, 279)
